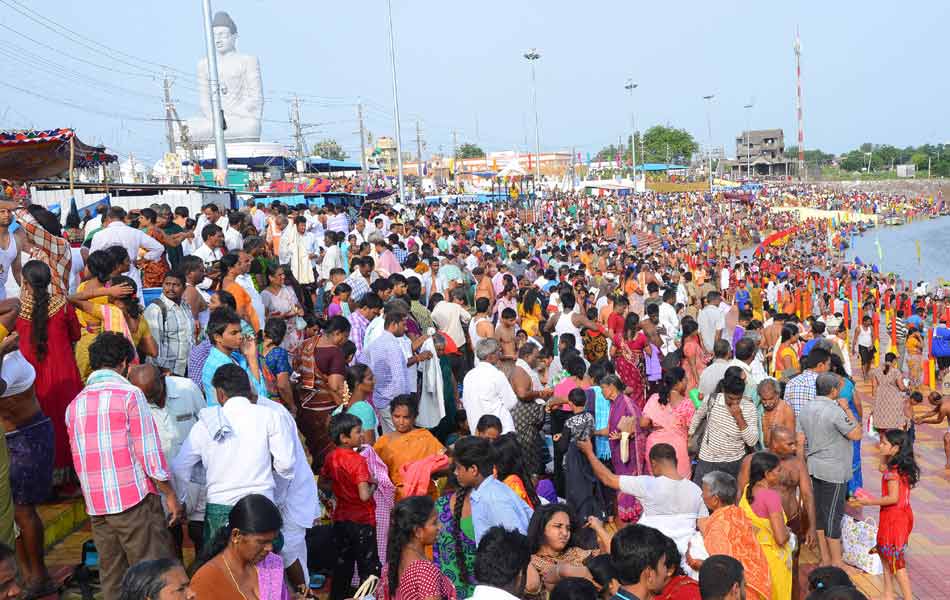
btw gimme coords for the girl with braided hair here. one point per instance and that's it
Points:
(48, 327)
(408, 573)
(454, 548)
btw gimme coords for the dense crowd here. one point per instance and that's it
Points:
(589, 397)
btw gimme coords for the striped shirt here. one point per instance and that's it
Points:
(115, 444)
(174, 333)
(724, 442)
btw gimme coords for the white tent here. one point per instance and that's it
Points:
(512, 169)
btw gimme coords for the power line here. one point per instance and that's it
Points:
(103, 113)
(82, 40)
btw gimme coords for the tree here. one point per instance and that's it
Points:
(469, 151)
(811, 156)
(660, 142)
(330, 149)
(610, 153)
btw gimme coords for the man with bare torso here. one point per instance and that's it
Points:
(776, 411)
(29, 438)
(505, 333)
(939, 412)
(794, 485)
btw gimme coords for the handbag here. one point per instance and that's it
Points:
(699, 434)
(367, 589)
(859, 539)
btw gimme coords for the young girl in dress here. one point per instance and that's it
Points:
(901, 473)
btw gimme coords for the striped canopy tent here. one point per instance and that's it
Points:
(29, 154)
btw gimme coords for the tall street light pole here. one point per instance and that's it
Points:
(708, 100)
(217, 116)
(630, 86)
(392, 55)
(533, 55)
(748, 139)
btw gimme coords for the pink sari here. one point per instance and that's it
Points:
(270, 578)
(630, 365)
(670, 426)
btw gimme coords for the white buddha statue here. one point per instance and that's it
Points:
(242, 94)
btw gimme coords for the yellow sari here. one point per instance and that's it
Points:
(530, 322)
(110, 318)
(400, 450)
(778, 557)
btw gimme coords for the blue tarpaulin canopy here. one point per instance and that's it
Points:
(252, 162)
(315, 163)
(660, 167)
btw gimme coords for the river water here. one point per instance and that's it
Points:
(900, 250)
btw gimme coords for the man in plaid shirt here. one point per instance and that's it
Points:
(118, 458)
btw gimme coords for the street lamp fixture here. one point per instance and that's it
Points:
(630, 86)
(708, 100)
(748, 141)
(532, 56)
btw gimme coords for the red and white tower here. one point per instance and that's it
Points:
(801, 126)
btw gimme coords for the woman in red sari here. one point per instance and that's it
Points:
(629, 348)
(695, 356)
(48, 328)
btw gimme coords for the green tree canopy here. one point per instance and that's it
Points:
(661, 143)
(329, 148)
(470, 151)
(811, 156)
(884, 156)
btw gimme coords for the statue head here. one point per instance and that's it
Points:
(225, 32)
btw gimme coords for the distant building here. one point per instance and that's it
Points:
(763, 149)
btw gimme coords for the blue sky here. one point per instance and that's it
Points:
(872, 71)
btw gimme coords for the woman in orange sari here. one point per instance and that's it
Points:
(407, 444)
(231, 266)
(729, 531)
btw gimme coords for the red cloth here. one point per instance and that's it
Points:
(57, 376)
(615, 324)
(417, 475)
(679, 587)
(346, 469)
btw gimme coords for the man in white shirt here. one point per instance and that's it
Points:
(259, 218)
(210, 251)
(486, 390)
(210, 215)
(712, 374)
(451, 315)
(233, 240)
(669, 321)
(117, 233)
(241, 444)
(711, 321)
(297, 500)
(174, 403)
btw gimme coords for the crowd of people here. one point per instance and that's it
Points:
(594, 397)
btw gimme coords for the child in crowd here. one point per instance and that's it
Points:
(346, 474)
(488, 427)
(583, 490)
(901, 473)
(595, 341)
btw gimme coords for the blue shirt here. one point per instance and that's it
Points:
(742, 298)
(217, 359)
(494, 503)
(384, 356)
(601, 420)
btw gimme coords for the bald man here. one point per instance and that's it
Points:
(175, 403)
(794, 485)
